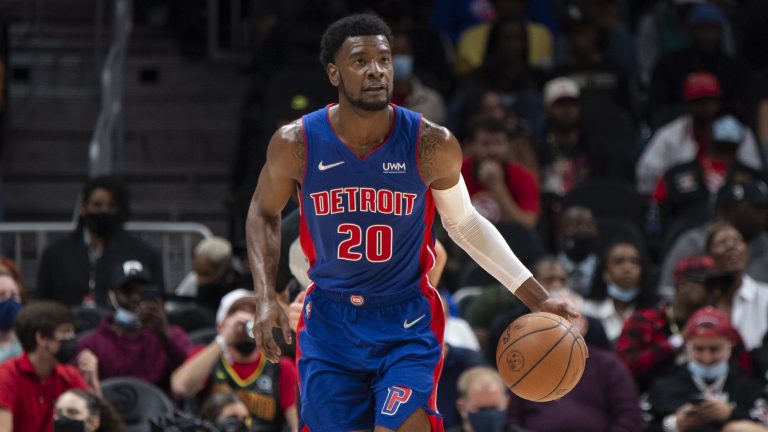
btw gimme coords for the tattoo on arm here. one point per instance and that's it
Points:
(298, 149)
(430, 137)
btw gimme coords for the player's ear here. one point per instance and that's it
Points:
(333, 74)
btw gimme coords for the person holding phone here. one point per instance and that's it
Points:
(137, 340)
(708, 393)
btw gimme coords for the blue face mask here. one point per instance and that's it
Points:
(708, 373)
(621, 294)
(402, 66)
(8, 311)
(123, 317)
(488, 420)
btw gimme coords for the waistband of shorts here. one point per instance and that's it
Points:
(363, 299)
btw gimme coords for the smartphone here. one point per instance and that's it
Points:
(149, 293)
(696, 399)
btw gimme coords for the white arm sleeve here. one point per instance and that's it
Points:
(478, 237)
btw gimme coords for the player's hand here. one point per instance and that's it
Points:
(295, 310)
(269, 315)
(560, 307)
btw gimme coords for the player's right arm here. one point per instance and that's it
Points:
(280, 176)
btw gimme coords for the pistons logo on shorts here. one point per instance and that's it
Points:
(396, 395)
(357, 300)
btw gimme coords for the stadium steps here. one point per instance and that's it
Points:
(180, 126)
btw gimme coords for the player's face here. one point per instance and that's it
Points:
(728, 250)
(363, 72)
(709, 350)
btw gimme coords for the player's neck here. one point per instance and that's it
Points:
(359, 129)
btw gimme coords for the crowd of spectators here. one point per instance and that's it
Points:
(619, 146)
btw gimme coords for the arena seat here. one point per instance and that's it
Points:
(136, 401)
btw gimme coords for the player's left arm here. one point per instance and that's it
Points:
(440, 165)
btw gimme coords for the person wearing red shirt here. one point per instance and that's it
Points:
(502, 190)
(231, 363)
(30, 384)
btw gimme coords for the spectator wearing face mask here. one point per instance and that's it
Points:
(707, 394)
(30, 384)
(80, 411)
(577, 247)
(621, 288)
(408, 90)
(226, 412)
(651, 342)
(79, 270)
(689, 136)
(686, 192)
(213, 274)
(11, 300)
(482, 402)
(232, 363)
(137, 341)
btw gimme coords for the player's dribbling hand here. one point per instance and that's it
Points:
(270, 314)
(295, 310)
(560, 307)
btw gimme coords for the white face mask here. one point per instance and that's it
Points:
(708, 373)
(123, 317)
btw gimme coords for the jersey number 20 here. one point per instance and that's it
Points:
(377, 247)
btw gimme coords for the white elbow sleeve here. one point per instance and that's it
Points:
(478, 237)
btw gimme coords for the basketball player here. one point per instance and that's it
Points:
(370, 176)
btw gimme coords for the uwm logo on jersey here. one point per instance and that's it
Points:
(393, 167)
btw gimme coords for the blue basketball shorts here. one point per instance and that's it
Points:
(367, 361)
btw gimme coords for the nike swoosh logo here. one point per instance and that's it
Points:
(407, 325)
(322, 167)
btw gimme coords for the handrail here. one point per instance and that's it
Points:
(149, 226)
(107, 134)
(161, 231)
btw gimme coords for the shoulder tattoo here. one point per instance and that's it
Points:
(430, 137)
(298, 148)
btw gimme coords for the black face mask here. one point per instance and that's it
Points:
(66, 424)
(231, 425)
(245, 348)
(579, 246)
(212, 292)
(67, 351)
(102, 224)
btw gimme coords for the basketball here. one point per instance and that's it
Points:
(541, 356)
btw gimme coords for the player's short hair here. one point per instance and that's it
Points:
(350, 26)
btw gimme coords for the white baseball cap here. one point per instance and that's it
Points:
(229, 300)
(560, 88)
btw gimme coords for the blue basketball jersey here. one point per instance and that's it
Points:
(366, 222)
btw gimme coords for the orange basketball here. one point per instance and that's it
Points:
(541, 356)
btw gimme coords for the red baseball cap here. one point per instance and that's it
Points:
(709, 322)
(699, 85)
(697, 268)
